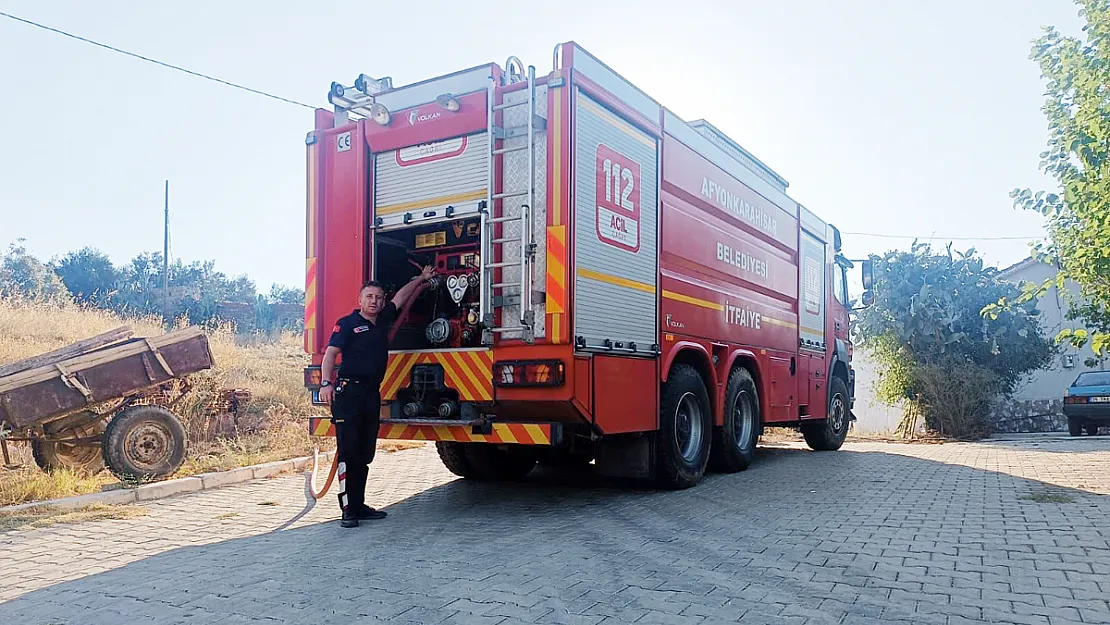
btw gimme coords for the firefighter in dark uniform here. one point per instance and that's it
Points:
(355, 396)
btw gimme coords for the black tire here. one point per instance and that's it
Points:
(52, 456)
(485, 462)
(829, 433)
(685, 430)
(734, 443)
(453, 456)
(144, 442)
(1092, 429)
(1075, 427)
(491, 463)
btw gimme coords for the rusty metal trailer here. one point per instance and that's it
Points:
(103, 401)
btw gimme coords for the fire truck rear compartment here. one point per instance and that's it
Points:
(444, 315)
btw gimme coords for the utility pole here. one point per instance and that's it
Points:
(166, 259)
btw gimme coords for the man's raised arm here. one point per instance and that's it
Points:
(405, 292)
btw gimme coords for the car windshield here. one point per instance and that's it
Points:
(1093, 378)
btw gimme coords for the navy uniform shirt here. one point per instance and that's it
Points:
(364, 344)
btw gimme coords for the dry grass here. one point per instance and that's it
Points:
(288, 440)
(272, 370)
(45, 516)
(391, 446)
(30, 484)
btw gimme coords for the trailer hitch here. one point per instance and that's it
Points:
(482, 425)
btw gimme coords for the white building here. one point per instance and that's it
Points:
(1036, 405)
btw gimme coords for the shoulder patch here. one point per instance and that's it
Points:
(336, 328)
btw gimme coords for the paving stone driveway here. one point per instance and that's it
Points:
(1009, 531)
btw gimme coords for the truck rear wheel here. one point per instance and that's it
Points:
(52, 455)
(685, 429)
(482, 461)
(453, 456)
(734, 443)
(829, 434)
(143, 442)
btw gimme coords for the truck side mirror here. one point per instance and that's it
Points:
(867, 268)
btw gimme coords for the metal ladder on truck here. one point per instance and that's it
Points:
(513, 224)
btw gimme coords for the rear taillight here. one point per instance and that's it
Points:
(1072, 399)
(529, 373)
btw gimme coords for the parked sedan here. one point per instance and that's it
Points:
(1087, 402)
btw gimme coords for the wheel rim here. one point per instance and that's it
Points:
(838, 414)
(79, 456)
(148, 445)
(688, 427)
(75, 456)
(744, 415)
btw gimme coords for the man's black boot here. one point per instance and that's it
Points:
(366, 513)
(350, 518)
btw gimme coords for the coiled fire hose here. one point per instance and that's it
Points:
(317, 494)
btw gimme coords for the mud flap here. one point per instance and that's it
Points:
(626, 457)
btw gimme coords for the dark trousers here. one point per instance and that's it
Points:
(355, 410)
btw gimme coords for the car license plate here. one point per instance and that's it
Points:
(1100, 400)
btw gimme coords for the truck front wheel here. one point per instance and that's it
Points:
(829, 434)
(734, 443)
(685, 429)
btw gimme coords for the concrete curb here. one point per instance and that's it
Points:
(180, 486)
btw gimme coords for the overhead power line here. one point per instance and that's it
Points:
(155, 61)
(309, 106)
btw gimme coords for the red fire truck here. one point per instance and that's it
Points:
(615, 285)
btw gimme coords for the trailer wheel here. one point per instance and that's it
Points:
(52, 456)
(829, 434)
(734, 443)
(144, 442)
(685, 429)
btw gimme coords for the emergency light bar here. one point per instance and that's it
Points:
(373, 86)
(359, 99)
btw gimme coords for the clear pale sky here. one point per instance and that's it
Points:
(887, 117)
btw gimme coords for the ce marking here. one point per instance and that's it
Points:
(343, 142)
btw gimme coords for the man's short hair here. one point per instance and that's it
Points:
(371, 283)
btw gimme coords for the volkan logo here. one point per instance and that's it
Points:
(415, 117)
